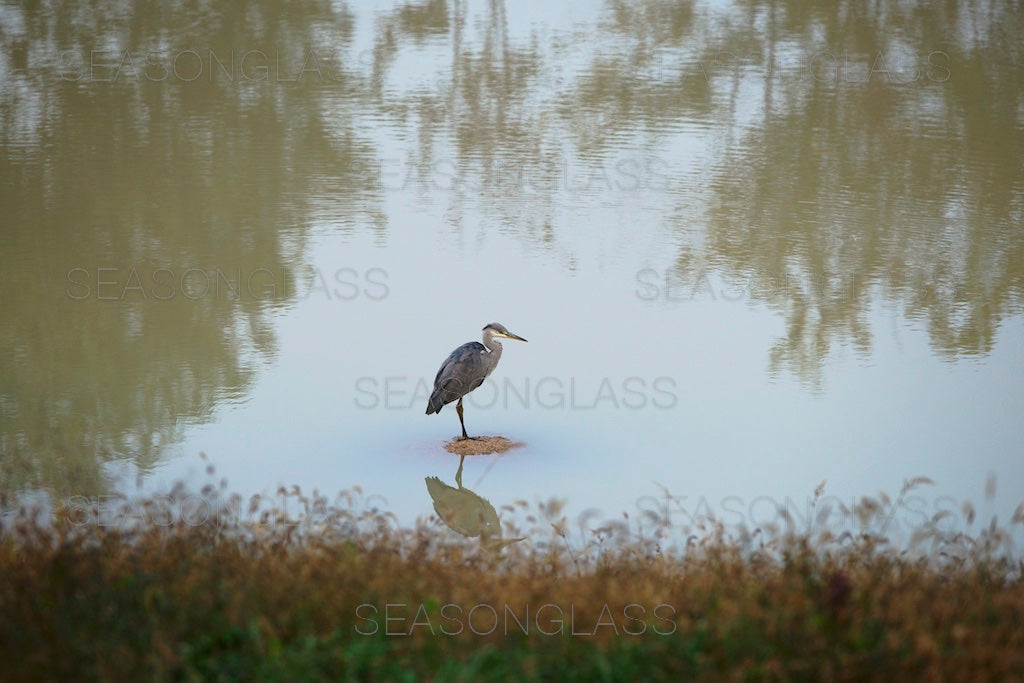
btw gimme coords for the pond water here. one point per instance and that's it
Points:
(753, 247)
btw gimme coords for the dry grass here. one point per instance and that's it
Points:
(242, 592)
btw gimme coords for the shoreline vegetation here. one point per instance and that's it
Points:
(346, 593)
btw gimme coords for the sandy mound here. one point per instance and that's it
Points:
(480, 445)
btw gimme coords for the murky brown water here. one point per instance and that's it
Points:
(754, 245)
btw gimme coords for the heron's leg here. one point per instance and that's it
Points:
(458, 409)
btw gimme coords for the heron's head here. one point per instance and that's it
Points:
(498, 331)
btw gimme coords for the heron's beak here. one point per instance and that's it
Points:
(513, 336)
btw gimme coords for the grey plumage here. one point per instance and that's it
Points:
(466, 368)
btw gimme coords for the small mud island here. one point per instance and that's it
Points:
(481, 445)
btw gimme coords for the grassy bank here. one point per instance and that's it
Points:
(348, 594)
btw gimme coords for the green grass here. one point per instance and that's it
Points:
(172, 599)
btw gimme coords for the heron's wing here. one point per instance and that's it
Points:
(462, 372)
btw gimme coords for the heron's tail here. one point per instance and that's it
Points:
(435, 403)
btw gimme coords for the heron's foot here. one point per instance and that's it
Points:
(465, 437)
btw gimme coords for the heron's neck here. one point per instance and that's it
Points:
(493, 345)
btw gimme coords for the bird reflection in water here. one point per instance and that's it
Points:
(466, 513)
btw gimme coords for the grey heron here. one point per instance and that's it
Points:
(466, 368)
